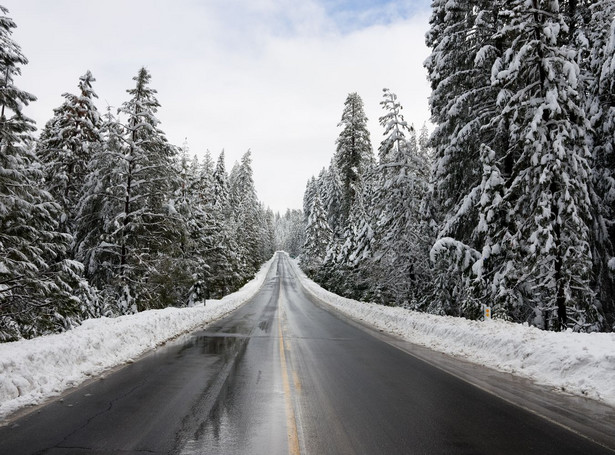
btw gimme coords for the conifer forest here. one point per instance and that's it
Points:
(510, 201)
(102, 216)
(506, 198)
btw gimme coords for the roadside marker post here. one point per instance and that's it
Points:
(486, 313)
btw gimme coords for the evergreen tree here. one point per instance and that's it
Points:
(130, 191)
(318, 236)
(550, 189)
(144, 227)
(598, 41)
(402, 238)
(354, 153)
(330, 187)
(462, 103)
(267, 233)
(223, 256)
(308, 196)
(221, 195)
(246, 214)
(66, 147)
(97, 208)
(185, 278)
(39, 291)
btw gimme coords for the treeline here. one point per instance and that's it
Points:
(367, 234)
(102, 216)
(517, 210)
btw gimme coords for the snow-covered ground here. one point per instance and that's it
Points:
(34, 370)
(578, 363)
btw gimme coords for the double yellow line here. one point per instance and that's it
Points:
(291, 422)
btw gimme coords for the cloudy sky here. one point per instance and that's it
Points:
(267, 75)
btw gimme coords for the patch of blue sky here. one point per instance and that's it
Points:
(351, 15)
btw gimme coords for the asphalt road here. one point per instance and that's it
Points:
(283, 375)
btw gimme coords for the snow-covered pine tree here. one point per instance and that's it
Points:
(395, 129)
(223, 256)
(463, 100)
(220, 186)
(129, 191)
(494, 277)
(184, 281)
(66, 146)
(96, 211)
(330, 187)
(246, 215)
(465, 44)
(266, 220)
(354, 155)
(551, 180)
(597, 39)
(355, 254)
(308, 197)
(205, 172)
(39, 291)
(401, 258)
(318, 236)
(146, 228)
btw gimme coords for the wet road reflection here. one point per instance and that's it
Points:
(249, 415)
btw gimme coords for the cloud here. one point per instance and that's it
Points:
(270, 75)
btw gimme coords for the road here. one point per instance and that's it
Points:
(284, 375)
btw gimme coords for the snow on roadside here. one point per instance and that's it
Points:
(578, 363)
(34, 370)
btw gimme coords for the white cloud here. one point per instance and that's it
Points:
(270, 75)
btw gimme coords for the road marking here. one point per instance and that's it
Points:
(291, 424)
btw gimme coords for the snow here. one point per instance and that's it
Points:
(33, 370)
(577, 363)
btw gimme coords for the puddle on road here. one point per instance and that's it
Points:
(248, 416)
(224, 346)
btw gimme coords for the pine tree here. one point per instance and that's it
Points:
(223, 256)
(246, 214)
(39, 291)
(318, 236)
(184, 281)
(308, 196)
(66, 147)
(267, 233)
(551, 180)
(96, 210)
(462, 103)
(354, 153)
(597, 40)
(145, 225)
(330, 188)
(130, 190)
(401, 239)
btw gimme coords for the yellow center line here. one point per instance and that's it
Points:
(291, 424)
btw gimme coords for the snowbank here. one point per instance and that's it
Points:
(33, 370)
(578, 363)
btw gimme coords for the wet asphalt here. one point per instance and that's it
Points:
(283, 375)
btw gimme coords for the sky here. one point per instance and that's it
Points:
(266, 75)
